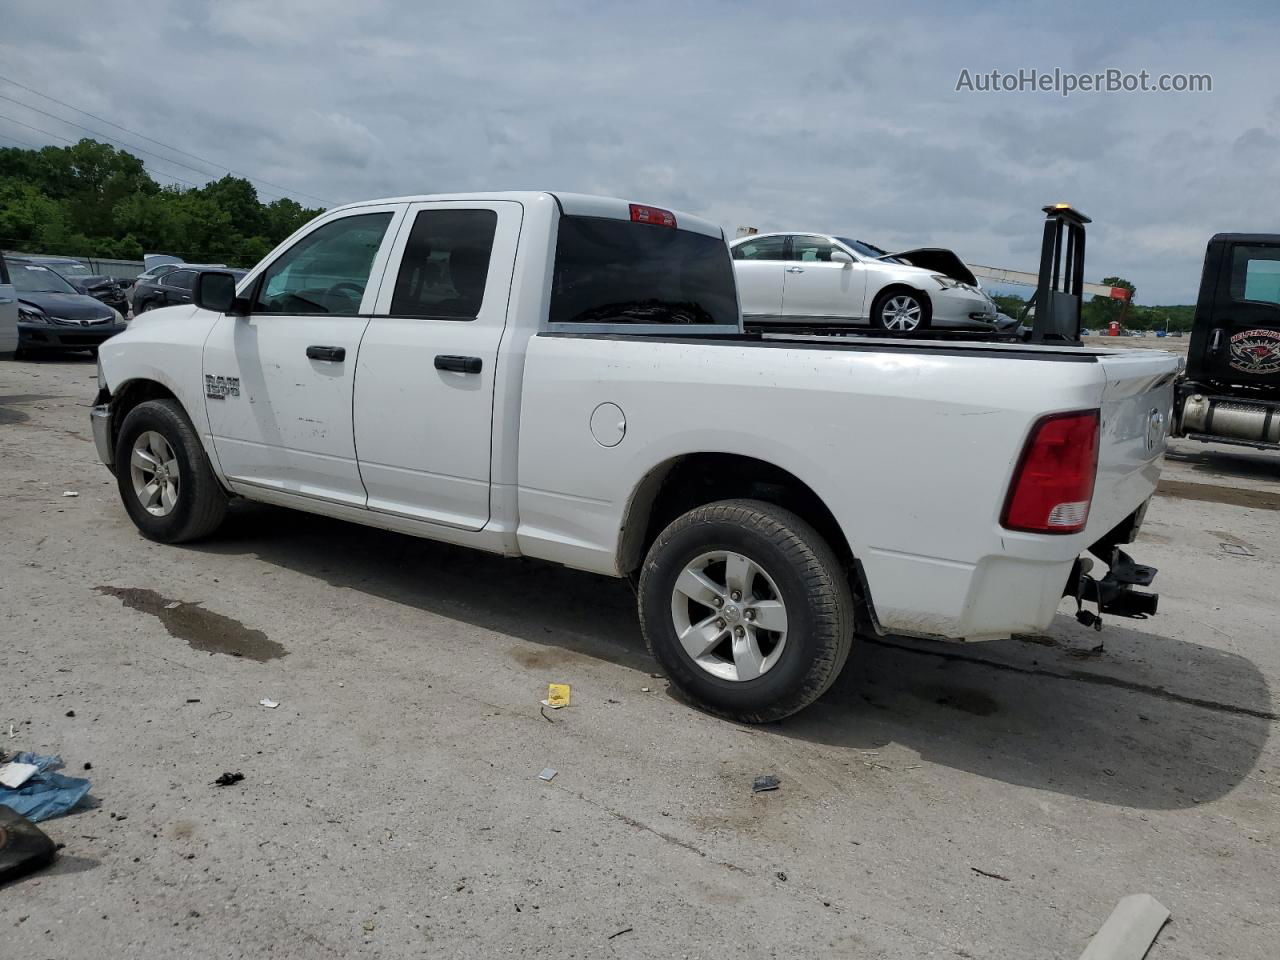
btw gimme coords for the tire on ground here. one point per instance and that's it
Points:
(812, 583)
(201, 502)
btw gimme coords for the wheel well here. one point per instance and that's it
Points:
(894, 287)
(678, 485)
(129, 395)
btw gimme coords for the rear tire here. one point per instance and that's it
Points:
(196, 504)
(793, 579)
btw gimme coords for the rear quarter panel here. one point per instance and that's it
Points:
(911, 450)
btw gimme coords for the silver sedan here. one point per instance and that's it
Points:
(818, 280)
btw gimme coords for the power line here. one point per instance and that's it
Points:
(159, 142)
(48, 133)
(122, 143)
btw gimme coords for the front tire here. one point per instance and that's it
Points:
(164, 477)
(900, 310)
(747, 608)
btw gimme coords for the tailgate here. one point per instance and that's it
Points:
(1137, 408)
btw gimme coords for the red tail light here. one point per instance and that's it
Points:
(1053, 484)
(654, 215)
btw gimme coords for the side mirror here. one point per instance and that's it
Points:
(839, 256)
(216, 290)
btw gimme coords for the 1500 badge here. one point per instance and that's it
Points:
(219, 388)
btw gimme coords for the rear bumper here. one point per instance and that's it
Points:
(51, 336)
(999, 595)
(100, 418)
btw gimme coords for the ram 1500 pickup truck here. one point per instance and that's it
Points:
(566, 377)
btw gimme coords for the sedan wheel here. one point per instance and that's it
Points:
(901, 313)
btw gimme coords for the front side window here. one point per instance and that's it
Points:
(445, 265)
(326, 271)
(617, 271)
(1255, 274)
(764, 248)
(182, 279)
(811, 249)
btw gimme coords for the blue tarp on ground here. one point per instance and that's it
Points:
(46, 794)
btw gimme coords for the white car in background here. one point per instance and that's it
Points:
(818, 280)
(8, 311)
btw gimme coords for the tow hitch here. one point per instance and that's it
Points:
(1114, 593)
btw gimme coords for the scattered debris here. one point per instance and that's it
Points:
(548, 774)
(11, 733)
(557, 696)
(227, 779)
(71, 713)
(43, 794)
(1130, 930)
(765, 782)
(620, 933)
(1236, 549)
(23, 846)
(70, 493)
(173, 605)
(193, 699)
(986, 873)
(543, 711)
(644, 689)
(268, 703)
(368, 926)
(13, 775)
(88, 765)
(781, 876)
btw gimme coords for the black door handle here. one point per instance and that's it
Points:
(327, 353)
(446, 361)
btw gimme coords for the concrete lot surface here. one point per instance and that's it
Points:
(989, 801)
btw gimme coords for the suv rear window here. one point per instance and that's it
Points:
(616, 271)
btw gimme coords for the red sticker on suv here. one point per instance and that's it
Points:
(1256, 351)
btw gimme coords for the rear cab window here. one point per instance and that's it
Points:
(611, 272)
(445, 265)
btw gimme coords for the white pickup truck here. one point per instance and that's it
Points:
(566, 377)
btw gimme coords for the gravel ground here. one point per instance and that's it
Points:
(986, 801)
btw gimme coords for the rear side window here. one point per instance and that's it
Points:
(445, 265)
(616, 271)
(327, 270)
(811, 249)
(1255, 274)
(766, 248)
(183, 279)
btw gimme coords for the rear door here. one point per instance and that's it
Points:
(1244, 342)
(8, 311)
(817, 289)
(278, 382)
(425, 378)
(177, 287)
(757, 266)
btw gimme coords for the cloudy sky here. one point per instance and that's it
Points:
(840, 116)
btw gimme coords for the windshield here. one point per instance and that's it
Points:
(30, 278)
(71, 269)
(869, 250)
(616, 271)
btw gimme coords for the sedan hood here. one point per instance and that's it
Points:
(68, 306)
(938, 260)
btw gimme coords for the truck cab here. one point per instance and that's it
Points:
(1231, 392)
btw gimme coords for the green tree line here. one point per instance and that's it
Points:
(1098, 312)
(92, 200)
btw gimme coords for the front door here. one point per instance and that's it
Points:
(818, 289)
(757, 267)
(424, 393)
(1244, 341)
(278, 382)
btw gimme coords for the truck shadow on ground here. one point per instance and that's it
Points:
(1147, 722)
(1243, 463)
